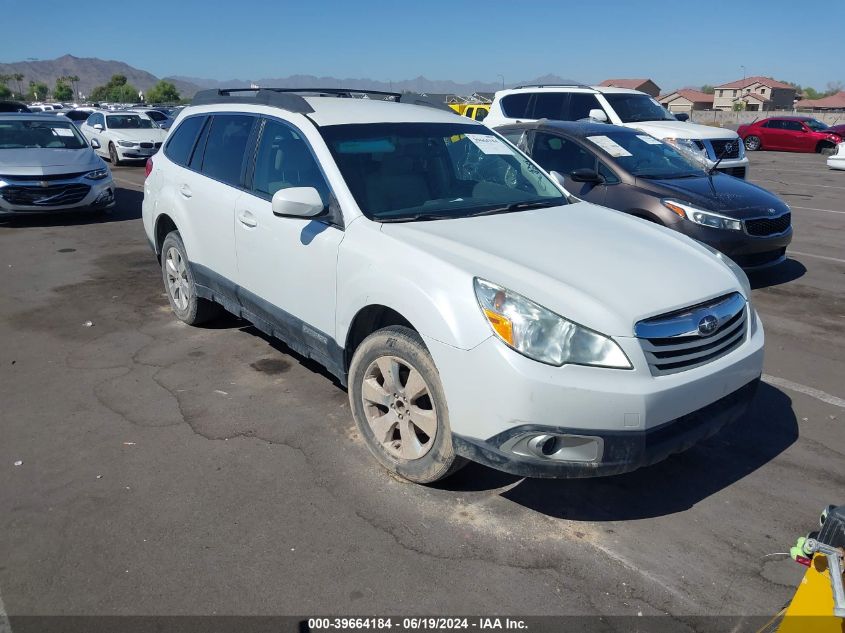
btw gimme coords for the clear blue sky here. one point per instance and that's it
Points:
(675, 42)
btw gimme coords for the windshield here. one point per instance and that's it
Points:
(816, 125)
(40, 134)
(433, 171)
(129, 122)
(637, 107)
(644, 156)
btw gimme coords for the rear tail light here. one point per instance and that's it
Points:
(148, 168)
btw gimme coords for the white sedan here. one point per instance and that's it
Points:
(121, 136)
(837, 159)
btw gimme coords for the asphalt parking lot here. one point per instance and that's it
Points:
(174, 470)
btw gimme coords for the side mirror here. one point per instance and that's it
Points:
(98, 127)
(597, 114)
(297, 202)
(682, 116)
(95, 143)
(585, 174)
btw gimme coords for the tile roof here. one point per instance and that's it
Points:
(696, 96)
(836, 101)
(766, 81)
(633, 84)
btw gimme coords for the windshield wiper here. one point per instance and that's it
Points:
(519, 206)
(417, 217)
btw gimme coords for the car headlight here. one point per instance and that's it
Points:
(127, 143)
(700, 216)
(97, 174)
(741, 147)
(542, 335)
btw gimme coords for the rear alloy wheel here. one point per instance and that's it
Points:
(113, 155)
(180, 286)
(752, 143)
(399, 406)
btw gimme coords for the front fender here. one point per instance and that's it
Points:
(435, 297)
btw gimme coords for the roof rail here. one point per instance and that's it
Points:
(291, 99)
(572, 85)
(261, 96)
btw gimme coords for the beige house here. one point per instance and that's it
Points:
(643, 85)
(686, 100)
(754, 94)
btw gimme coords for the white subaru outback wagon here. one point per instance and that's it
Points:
(472, 311)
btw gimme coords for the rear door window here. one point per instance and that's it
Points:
(226, 146)
(580, 104)
(554, 153)
(551, 105)
(181, 143)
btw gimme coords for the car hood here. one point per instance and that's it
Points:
(729, 196)
(595, 266)
(155, 135)
(47, 161)
(680, 129)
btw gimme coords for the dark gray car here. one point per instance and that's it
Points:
(627, 170)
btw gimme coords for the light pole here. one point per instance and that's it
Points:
(502, 77)
(743, 72)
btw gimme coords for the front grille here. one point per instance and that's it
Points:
(157, 145)
(54, 196)
(48, 178)
(719, 146)
(760, 227)
(738, 172)
(673, 342)
(146, 145)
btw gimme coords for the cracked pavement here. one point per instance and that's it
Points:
(176, 470)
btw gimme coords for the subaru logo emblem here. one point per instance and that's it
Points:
(44, 183)
(708, 325)
(771, 211)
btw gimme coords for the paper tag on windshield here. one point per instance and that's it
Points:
(62, 131)
(648, 139)
(610, 146)
(489, 144)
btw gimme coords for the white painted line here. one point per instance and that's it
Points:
(5, 627)
(807, 391)
(800, 185)
(825, 257)
(812, 209)
(792, 171)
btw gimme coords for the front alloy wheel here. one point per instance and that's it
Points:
(752, 143)
(399, 409)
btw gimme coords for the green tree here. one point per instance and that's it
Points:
(739, 106)
(117, 89)
(708, 89)
(62, 92)
(163, 92)
(810, 93)
(5, 93)
(38, 91)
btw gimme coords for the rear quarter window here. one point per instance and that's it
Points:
(516, 106)
(182, 140)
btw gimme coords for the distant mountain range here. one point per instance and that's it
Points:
(94, 72)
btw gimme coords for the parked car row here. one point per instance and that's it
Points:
(475, 309)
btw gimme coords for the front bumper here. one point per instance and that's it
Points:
(837, 160)
(135, 153)
(748, 251)
(621, 452)
(495, 394)
(29, 197)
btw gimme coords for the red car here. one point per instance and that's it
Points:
(790, 134)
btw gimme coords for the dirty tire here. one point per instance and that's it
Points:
(405, 348)
(752, 143)
(179, 284)
(114, 157)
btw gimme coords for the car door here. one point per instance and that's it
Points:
(91, 133)
(794, 135)
(287, 267)
(207, 191)
(775, 135)
(563, 155)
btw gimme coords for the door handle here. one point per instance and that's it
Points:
(247, 219)
(185, 190)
